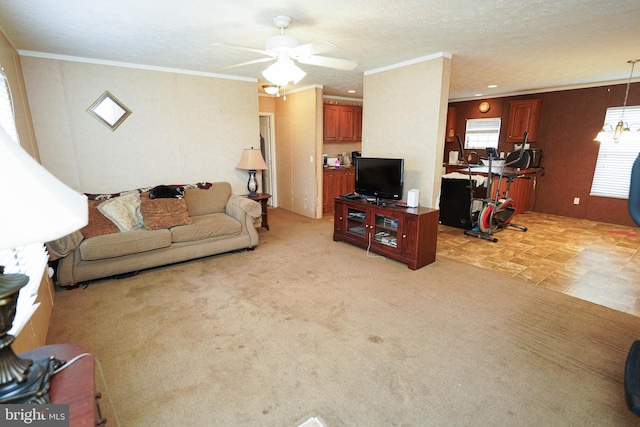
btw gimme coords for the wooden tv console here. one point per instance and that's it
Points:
(408, 235)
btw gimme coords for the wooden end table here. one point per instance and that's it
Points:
(74, 385)
(262, 198)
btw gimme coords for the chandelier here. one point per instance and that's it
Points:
(621, 129)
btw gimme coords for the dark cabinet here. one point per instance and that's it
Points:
(408, 235)
(342, 123)
(524, 116)
(451, 125)
(357, 124)
(334, 183)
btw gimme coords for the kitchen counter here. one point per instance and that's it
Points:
(522, 187)
(333, 168)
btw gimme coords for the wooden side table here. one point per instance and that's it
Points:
(74, 385)
(262, 198)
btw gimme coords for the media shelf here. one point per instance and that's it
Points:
(408, 235)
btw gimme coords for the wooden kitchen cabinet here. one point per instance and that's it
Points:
(336, 182)
(342, 123)
(357, 124)
(408, 235)
(520, 191)
(451, 125)
(524, 116)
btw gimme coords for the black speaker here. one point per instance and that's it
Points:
(455, 202)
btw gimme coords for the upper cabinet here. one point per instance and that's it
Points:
(451, 125)
(524, 116)
(357, 124)
(342, 123)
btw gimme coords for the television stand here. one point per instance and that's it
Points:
(378, 201)
(408, 235)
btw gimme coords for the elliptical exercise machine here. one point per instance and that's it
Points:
(494, 212)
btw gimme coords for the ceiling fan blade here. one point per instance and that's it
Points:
(255, 61)
(250, 49)
(325, 61)
(314, 48)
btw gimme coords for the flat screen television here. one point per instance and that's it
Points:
(381, 178)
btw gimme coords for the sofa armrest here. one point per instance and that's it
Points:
(238, 203)
(246, 211)
(63, 246)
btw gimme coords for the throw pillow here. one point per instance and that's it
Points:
(123, 211)
(98, 224)
(163, 213)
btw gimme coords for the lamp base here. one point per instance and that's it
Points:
(252, 185)
(34, 389)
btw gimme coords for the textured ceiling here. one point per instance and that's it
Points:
(522, 46)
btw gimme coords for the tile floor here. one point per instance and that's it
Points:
(594, 261)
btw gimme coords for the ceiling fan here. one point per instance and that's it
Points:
(285, 49)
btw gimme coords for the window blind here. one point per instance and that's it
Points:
(482, 133)
(612, 175)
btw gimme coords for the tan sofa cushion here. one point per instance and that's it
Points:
(98, 224)
(163, 213)
(206, 226)
(120, 244)
(207, 201)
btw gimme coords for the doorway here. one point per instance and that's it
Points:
(268, 148)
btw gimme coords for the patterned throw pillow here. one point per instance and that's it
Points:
(163, 213)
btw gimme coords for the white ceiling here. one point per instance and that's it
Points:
(523, 46)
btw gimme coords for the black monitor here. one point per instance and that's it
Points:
(381, 178)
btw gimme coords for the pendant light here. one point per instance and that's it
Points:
(621, 129)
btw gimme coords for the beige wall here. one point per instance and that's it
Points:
(404, 116)
(266, 104)
(10, 62)
(184, 128)
(298, 139)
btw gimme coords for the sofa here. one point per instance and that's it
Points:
(134, 230)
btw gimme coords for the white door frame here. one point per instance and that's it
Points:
(268, 133)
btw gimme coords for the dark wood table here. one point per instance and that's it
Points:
(262, 198)
(74, 385)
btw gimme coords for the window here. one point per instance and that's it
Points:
(615, 159)
(7, 120)
(482, 133)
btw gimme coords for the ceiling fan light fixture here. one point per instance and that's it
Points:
(271, 89)
(283, 71)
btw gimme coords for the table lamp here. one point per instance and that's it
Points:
(251, 161)
(36, 208)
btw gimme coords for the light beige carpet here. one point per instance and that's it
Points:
(304, 326)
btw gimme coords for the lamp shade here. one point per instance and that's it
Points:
(36, 206)
(252, 160)
(283, 71)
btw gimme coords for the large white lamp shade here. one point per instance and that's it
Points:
(36, 206)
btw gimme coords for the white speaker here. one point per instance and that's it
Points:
(413, 198)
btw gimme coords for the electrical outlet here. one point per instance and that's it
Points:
(311, 159)
(576, 200)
